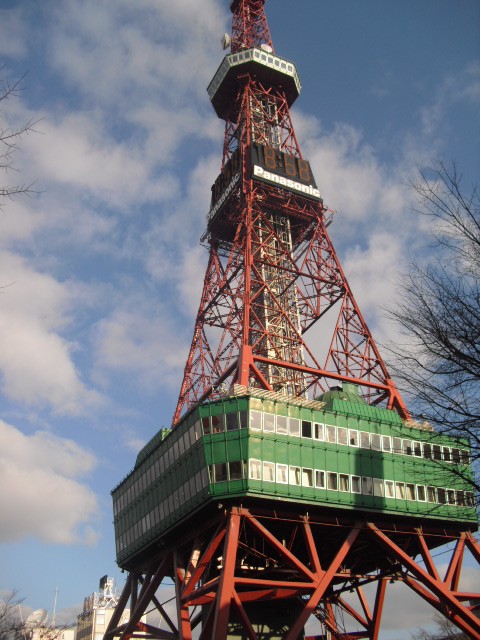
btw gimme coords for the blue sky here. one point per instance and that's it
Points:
(102, 267)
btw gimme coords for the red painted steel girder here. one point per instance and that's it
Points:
(322, 564)
(249, 25)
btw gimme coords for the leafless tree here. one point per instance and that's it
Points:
(438, 310)
(445, 631)
(14, 625)
(9, 143)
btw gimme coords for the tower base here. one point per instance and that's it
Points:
(242, 569)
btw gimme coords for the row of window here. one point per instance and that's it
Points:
(162, 510)
(271, 423)
(159, 464)
(333, 481)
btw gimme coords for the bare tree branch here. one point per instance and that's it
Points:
(437, 364)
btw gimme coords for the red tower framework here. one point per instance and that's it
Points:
(277, 315)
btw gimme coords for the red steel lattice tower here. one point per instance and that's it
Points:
(273, 280)
(254, 557)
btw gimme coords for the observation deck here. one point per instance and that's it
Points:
(334, 455)
(267, 67)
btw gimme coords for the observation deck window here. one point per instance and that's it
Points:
(342, 437)
(389, 489)
(364, 439)
(421, 496)
(319, 431)
(344, 482)
(331, 433)
(437, 452)
(417, 449)
(307, 477)
(441, 496)
(400, 490)
(378, 487)
(386, 444)
(367, 486)
(407, 447)
(431, 494)
(319, 479)
(465, 457)
(255, 420)
(282, 473)
(353, 437)
(294, 427)
(306, 429)
(451, 496)
(397, 445)
(446, 454)
(294, 475)
(427, 451)
(269, 471)
(332, 481)
(255, 469)
(410, 491)
(456, 456)
(269, 422)
(375, 442)
(282, 427)
(356, 484)
(461, 498)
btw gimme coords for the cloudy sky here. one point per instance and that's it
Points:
(101, 268)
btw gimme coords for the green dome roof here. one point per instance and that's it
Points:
(348, 393)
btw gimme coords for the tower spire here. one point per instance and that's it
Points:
(249, 25)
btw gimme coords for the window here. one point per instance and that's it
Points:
(375, 442)
(318, 431)
(400, 490)
(356, 484)
(307, 477)
(353, 437)
(397, 445)
(410, 491)
(461, 498)
(378, 487)
(386, 443)
(441, 496)
(427, 451)
(331, 433)
(364, 440)
(465, 455)
(282, 425)
(294, 427)
(282, 473)
(217, 424)
(407, 447)
(367, 486)
(417, 449)
(231, 421)
(294, 475)
(306, 429)
(446, 454)
(269, 471)
(268, 422)
(100, 616)
(456, 456)
(332, 481)
(243, 415)
(437, 452)
(389, 489)
(236, 470)
(319, 479)
(469, 499)
(255, 420)
(421, 493)
(431, 494)
(220, 470)
(344, 482)
(255, 469)
(342, 435)
(206, 426)
(450, 496)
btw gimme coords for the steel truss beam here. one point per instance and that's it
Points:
(328, 567)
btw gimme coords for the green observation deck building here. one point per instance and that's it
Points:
(334, 454)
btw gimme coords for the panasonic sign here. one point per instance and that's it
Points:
(307, 190)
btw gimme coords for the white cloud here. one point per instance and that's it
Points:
(41, 495)
(36, 362)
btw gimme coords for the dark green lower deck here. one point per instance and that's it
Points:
(339, 456)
